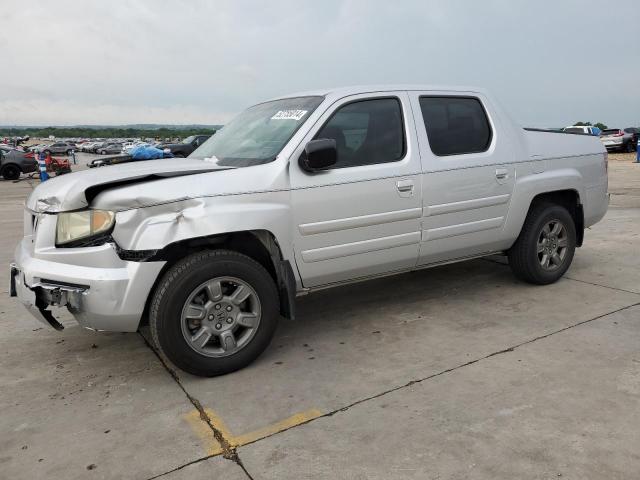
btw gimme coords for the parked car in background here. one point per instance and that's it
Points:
(98, 145)
(37, 148)
(130, 146)
(621, 140)
(296, 195)
(110, 148)
(583, 129)
(184, 148)
(127, 146)
(13, 162)
(88, 146)
(59, 148)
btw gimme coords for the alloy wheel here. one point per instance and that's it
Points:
(552, 245)
(220, 316)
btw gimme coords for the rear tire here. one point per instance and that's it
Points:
(188, 318)
(545, 247)
(11, 172)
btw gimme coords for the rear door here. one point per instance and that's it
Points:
(468, 175)
(361, 217)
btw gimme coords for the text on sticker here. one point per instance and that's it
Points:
(289, 115)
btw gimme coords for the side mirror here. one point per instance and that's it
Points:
(319, 155)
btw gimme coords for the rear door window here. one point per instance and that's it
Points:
(456, 125)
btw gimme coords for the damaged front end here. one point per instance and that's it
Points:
(39, 296)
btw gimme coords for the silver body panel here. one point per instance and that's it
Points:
(333, 227)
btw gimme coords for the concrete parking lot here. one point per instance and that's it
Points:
(460, 371)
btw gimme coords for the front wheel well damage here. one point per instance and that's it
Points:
(569, 199)
(260, 245)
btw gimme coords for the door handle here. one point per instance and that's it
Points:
(404, 186)
(502, 173)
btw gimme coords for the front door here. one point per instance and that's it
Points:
(468, 176)
(362, 216)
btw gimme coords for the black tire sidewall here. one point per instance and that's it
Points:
(11, 172)
(550, 213)
(173, 292)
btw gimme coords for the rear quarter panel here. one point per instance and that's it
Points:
(558, 161)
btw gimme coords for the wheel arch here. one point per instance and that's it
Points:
(260, 245)
(570, 199)
(11, 164)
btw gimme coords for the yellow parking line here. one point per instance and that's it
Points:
(212, 446)
(292, 421)
(202, 430)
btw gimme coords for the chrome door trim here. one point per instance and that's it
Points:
(466, 205)
(360, 221)
(364, 246)
(461, 229)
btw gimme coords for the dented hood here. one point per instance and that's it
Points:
(76, 190)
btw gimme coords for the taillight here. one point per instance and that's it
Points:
(619, 134)
(29, 155)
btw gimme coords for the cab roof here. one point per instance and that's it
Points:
(340, 92)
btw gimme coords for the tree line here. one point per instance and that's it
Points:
(103, 132)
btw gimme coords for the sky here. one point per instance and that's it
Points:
(548, 62)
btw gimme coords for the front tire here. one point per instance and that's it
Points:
(545, 247)
(214, 312)
(11, 172)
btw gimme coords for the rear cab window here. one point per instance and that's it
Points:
(455, 125)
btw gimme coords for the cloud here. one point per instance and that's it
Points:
(550, 63)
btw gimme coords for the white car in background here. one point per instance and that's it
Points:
(582, 129)
(130, 146)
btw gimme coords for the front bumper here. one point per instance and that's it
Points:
(109, 296)
(613, 145)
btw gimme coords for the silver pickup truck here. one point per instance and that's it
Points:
(297, 194)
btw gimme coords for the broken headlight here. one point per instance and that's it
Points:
(74, 226)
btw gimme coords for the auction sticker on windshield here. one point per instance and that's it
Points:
(289, 115)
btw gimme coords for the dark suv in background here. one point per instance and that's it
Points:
(184, 148)
(13, 162)
(59, 147)
(622, 140)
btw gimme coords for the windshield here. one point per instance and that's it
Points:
(258, 134)
(189, 139)
(611, 131)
